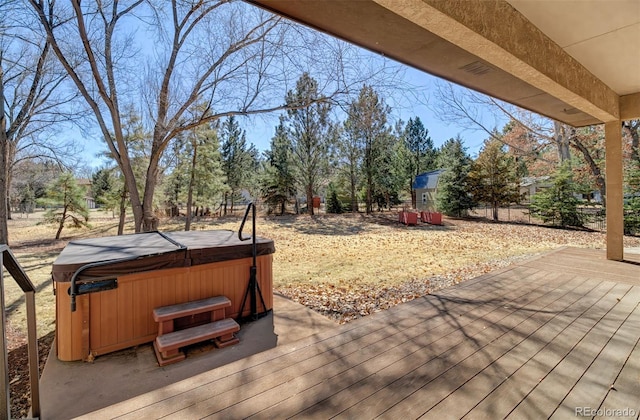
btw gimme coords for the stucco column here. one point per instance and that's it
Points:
(613, 175)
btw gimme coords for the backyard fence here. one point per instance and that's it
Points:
(515, 213)
(592, 217)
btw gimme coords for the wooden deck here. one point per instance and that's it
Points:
(554, 336)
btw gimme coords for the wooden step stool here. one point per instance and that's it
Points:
(169, 340)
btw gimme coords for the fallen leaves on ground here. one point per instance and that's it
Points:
(343, 304)
(342, 266)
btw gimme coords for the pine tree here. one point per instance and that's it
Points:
(492, 178)
(236, 160)
(334, 205)
(423, 154)
(311, 135)
(558, 204)
(278, 182)
(69, 203)
(206, 177)
(367, 126)
(351, 150)
(453, 198)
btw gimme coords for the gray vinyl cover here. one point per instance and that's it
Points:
(113, 256)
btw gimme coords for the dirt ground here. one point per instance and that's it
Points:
(343, 266)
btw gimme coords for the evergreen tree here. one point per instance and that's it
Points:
(453, 197)
(423, 154)
(69, 203)
(558, 204)
(334, 205)
(253, 171)
(236, 160)
(388, 171)
(367, 126)
(206, 177)
(175, 183)
(311, 135)
(278, 183)
(101, 185)
(351, 150)
(492, 178)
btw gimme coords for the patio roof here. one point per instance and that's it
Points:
(574, 61)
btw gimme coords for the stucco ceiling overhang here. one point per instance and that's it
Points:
(575, 61)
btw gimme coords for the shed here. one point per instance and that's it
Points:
(426, 187)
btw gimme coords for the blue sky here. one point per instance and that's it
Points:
(260, 129)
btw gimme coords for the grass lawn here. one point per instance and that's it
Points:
(344, 266)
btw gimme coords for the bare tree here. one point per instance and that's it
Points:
(471, 110)
(32, 102)
(632, 128)
(229, 56)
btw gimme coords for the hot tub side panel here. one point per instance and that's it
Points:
(123, 317)
(69, 325)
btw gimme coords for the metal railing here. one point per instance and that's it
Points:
(253, 288)
(594, 218)
(9, 262)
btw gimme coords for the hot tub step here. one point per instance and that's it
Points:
(166, 313)
(167, 345)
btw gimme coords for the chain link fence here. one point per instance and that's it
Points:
(593, 217)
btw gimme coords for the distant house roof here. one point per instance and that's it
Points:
(427, 180)
(531, 180)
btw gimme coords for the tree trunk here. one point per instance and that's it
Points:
(123, 211)
(62, 219)
(414, 198)
(369, 193)
(150, 221)
(495, 211)
(310, 200)
(593, 167)
(4, 167)
(562, 141)
(354, 200)
(4, 187)
(634, 130)
(192, 181)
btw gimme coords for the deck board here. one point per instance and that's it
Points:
(506, 396)
(591, 335)
(532, 340)
(406, 348)
(600, 376)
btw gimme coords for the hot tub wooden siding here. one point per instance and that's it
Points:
(116, 319)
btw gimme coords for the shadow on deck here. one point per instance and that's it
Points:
(554, 336)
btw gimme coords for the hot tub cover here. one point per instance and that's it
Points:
(112, 256)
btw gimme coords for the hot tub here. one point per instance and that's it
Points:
(121, 279)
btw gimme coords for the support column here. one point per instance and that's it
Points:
(613, 175)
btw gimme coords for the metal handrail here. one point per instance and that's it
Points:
(8, 261)
(253, 288)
